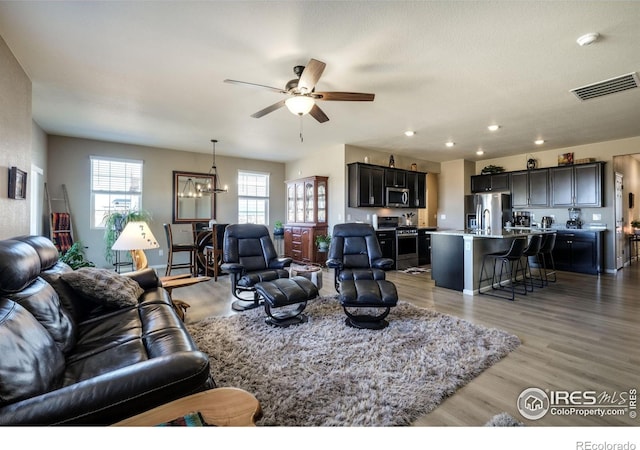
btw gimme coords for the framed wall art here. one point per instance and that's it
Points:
(17, 183)
(565, 159)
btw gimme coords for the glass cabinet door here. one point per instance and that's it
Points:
(322, 201)
(291, 204)
(308, 202)
(299, 202)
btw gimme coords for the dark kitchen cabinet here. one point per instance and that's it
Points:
(530, 189)
(395, 178)
(577, 185)
(424, 247)
(579, 251)
(387, 241)
(366, 185)
(417, 184)
(490, 182)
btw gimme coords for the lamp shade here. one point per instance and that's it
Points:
(136, 236)
(300, 104)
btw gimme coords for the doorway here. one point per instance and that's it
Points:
(36, 187)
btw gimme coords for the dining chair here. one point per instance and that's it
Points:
(180, 246)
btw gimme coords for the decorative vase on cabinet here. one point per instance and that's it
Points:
(306, 218)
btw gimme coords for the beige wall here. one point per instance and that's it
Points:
(326, 162)
(453, 185)
(15, 140)
(69, 164)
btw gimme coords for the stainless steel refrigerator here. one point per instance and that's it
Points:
(488, 212)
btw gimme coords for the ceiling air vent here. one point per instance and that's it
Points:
(606, 87)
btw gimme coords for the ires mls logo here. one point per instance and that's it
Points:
(535, 403)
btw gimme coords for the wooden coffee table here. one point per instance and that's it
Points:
(227, 406)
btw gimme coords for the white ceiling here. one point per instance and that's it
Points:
(151, 73)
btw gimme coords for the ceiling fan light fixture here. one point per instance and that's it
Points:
(299, 104)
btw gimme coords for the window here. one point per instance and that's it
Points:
(116, 185)
(253, 197)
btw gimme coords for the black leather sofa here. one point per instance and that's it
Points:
(68, 361)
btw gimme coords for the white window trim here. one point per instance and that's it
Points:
(267, 197)
(92, 192)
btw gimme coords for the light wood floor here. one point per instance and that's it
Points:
(581, 333)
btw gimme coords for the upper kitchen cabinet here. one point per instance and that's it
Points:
(395, 178)
(490, 182)
(577, 185)
(366, 185)
(307, 201)
(530, 188)
(417, 184)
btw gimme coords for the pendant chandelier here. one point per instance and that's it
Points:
(213, 173)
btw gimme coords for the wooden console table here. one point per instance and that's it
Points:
(227, 406)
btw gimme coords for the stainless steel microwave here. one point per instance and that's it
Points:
(397, 197)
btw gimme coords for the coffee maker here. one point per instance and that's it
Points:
(574, 222)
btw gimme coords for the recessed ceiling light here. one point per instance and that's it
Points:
(449, 144)
(587, 39)
(409, 133)
(480, 152)
(493, 127)
(539, 141)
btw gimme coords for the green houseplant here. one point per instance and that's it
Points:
(278, 229)
(75, 257)
(323, 240)
(115, 222)
(636, 225)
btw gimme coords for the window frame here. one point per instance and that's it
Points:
(266, 198)
(124, 194)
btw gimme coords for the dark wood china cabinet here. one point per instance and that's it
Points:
(307, 201)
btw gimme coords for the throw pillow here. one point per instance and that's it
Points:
(104, 286)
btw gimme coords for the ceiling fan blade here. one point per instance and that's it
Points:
(344, 96)
(318, 114)
(261, 86)
(268, 109)
(310, 75)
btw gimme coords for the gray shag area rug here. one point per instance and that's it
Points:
(503, 420)
(324, 373)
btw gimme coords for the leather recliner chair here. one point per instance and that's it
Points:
(250, 258)
(360, 277)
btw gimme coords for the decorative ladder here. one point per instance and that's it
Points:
(60, 226)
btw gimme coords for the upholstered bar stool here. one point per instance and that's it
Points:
(512, 261)
(545, 259)
(532, 251)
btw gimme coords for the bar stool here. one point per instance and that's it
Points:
(532, 250)
(512, 259)
(546, 251)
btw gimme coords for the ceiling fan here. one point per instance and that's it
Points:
(302, 95)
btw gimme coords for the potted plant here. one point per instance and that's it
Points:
(114, 223)
(75, 257)
(323, 240)
(278, 229)
(636, 225)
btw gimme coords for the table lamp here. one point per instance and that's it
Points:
(136, 237)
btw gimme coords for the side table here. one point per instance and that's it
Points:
(312, 273)
(227, 406)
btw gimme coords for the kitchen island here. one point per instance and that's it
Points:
(456, 255)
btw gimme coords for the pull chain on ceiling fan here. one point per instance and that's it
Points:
(302, 95)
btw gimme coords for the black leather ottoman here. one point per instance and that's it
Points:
(375, 294)
(285, 292)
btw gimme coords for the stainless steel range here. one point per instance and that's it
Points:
(406, 237)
